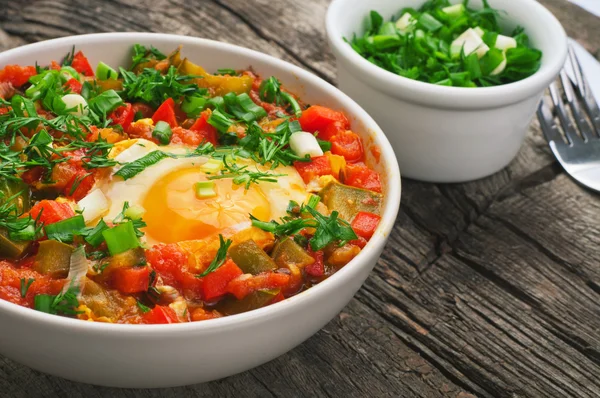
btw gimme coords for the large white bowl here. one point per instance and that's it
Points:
(180, 354)
(439, 133)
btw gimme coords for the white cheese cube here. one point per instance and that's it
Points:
(303, 143)
(77, 102)
(406, 22)
(505, 42)
(93, 205)
(469, 42)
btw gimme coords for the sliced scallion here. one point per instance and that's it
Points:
(121, 238)
(162, 132)
(64, 230)
(205, 189)
(105, 72)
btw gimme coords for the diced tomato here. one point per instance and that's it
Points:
(145, 111)
(278, 298)
(12, 275)
(52, 211)
(79, 185)
(4, 110)
(207, 131)
(365, 224)
(331, 130)
(243, 285)
(82, 65)
(215, 284)
(73, 85)
(166, 113)
(360, 176)
(360, 242)
(122, 116)
(317, 166)
(33, 175)
(132, 280)
(318, 118)
(318, 267)
(347, 144)
(17, 75)
(200, 314)
(55, 65)
(139, 129)
(160, 315)
(171, 264)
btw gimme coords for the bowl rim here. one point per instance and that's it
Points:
(315, 293)
(444, 96)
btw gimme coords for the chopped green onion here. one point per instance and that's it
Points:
(233, 106)
(471, 64)
(491, 60)
(428, 22)
(205, 189)
(121, 238)
(69, 72)
(105, 72)
(64, 230)
(249, 106)
(135, 212)
(43, 303)
(143, 307)
(215, 103)
(220, 121)
(296, 110)
(313, 201)
(25, 234)
(86, 90)
(106, 102)
(162, 132)
(192, 106)
(94, 236)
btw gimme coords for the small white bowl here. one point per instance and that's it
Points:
(439, 133)
(146, 356)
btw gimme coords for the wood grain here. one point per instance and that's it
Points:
(489, 288)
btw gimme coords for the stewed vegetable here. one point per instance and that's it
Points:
(161, 193)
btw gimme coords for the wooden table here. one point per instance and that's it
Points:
(490, 288)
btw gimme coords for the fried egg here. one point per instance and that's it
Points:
(173, 212)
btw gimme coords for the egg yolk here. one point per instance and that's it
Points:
(174, 213)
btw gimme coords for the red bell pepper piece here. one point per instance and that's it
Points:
(73, 86)
(318, 118)
(365, 224)
(166, 113)
(160, 315)
(52, 211)
(208, 132)
(81, 64)
(347, 144)
(79, 185)
(132, 280)
(122, 116)
(316, 167)
(243, 285)
(215, 284)
(17, 75)
(360, 176)
(332, 130)
(318, 267)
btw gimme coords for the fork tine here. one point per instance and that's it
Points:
(584, 92)
(563, 116)
(547, 124)
(584, 127)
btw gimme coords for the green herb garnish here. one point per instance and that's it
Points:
(219, 259)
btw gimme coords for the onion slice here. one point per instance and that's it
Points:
(78, 269)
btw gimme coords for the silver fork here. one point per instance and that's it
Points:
(577, 147)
